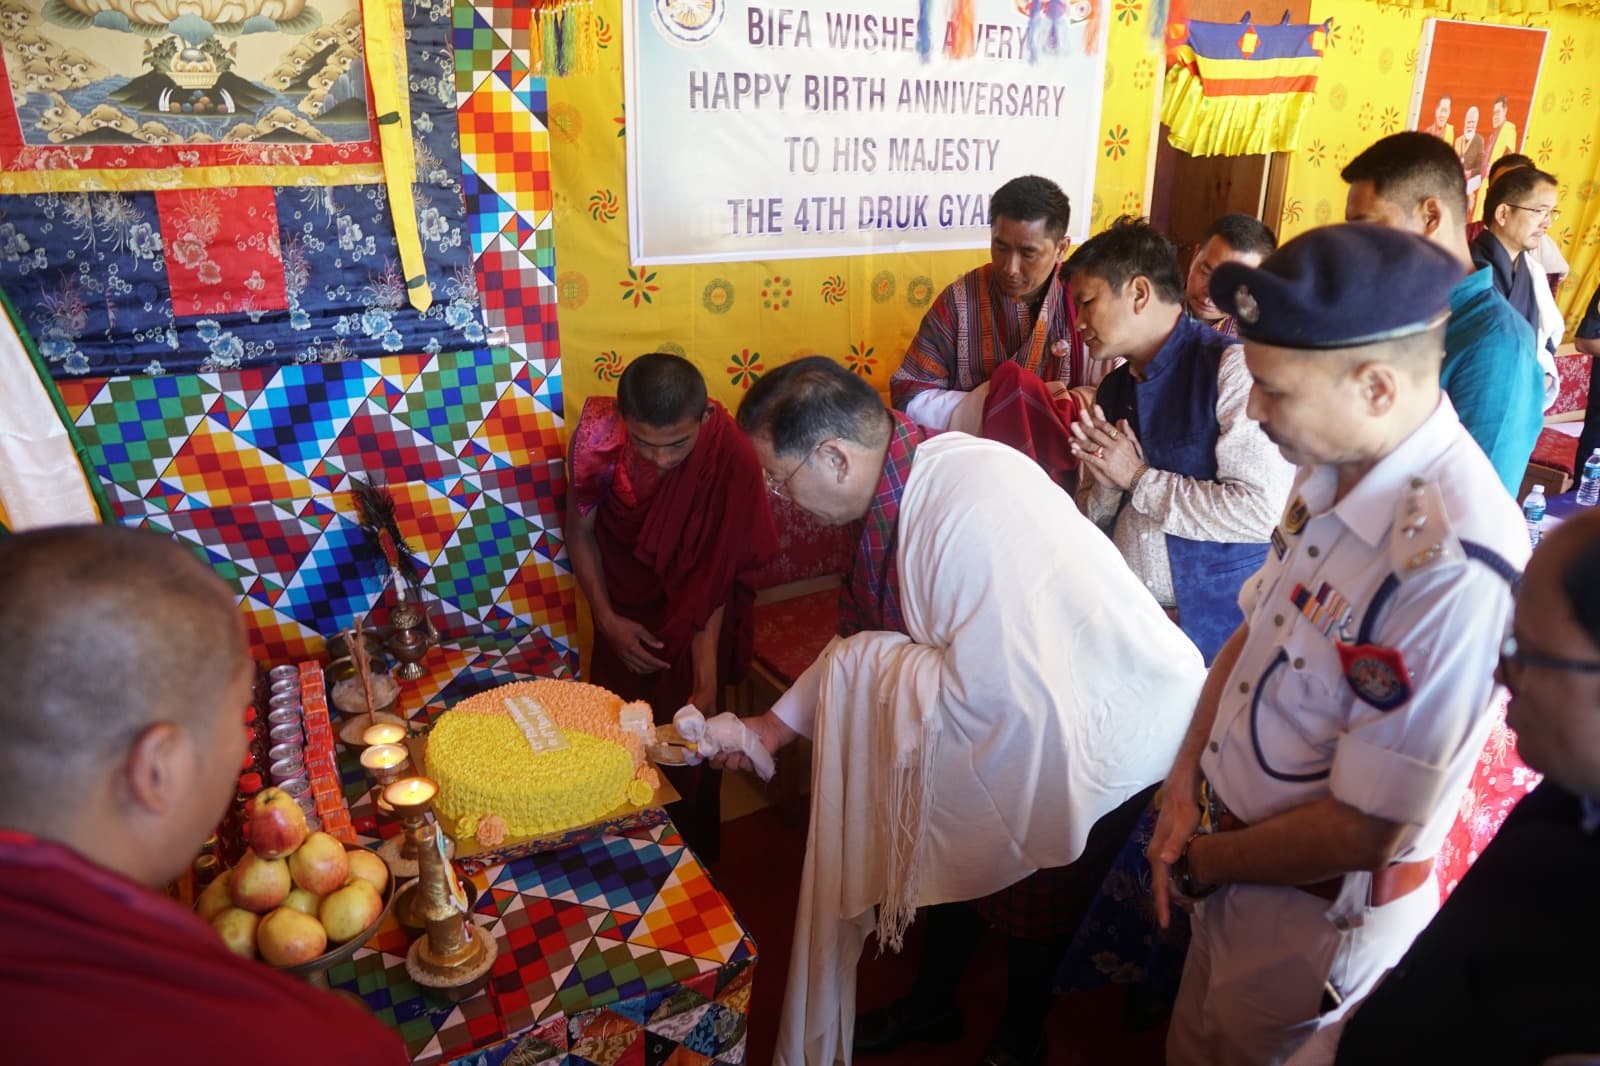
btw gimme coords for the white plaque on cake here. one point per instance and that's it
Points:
(535, 723)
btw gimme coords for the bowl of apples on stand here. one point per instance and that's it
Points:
(297, 900)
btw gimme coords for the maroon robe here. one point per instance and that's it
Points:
(96, 968)
(675, 547)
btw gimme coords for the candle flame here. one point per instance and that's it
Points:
(411, 792)
(383, 733)
(383, 756)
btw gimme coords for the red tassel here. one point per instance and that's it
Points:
(386, 542)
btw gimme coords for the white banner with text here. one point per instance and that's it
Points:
(763, 132)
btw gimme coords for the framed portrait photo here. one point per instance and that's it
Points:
(1475, 88)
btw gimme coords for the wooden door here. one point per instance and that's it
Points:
(1188, 193)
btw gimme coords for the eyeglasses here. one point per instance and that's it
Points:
(1511, 653)
(781, 488)
(1543, 212)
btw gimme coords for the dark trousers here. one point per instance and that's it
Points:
(955, 929)
(1589, 440)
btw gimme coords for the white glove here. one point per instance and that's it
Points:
(727, 733)
(690, 723)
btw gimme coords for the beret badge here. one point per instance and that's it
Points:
(1246, 305)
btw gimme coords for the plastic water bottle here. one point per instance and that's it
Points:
(1589, 484)
(1533, 510)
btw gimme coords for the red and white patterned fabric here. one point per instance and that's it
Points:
(806, 547)
(1557, 446)
(791, 633)
(222, 250)
(1573, 370)
(1499, 782)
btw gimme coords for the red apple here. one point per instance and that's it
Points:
(287, 938)
(216, 897)
(350, 910)
(237, 928)
(277, 824)
(366, 866)
(319, 864)
(260, 884)
(303, 901)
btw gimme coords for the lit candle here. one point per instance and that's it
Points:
(383, 756)
(383, 733)
(412, 792)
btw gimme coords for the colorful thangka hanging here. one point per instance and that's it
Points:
(247, 274)
(140, 94)
(1238, 88)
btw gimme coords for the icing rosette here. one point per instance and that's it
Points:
(491, 830)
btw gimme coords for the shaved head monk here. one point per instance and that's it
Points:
(667, 521)
(126, 674)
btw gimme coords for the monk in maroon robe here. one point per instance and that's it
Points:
(668, 521)
(121, 732)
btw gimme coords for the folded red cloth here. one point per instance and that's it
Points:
(1020, 411)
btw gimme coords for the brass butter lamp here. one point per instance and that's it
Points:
(456, 955)
(383, 733)
(387, 763)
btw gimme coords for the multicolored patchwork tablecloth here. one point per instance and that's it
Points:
(617, 950)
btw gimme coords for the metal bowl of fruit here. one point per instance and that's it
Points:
(297, 900)
(315, 970)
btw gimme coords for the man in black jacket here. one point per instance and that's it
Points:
(1506, 972)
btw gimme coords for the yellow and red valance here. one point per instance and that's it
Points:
(1239, 88)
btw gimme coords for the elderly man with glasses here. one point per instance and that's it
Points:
(1518, 212)
(666, 524)
(1512, 948)
(988, 728)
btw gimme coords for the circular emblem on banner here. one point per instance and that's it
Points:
(689, 21)
(1075, 10)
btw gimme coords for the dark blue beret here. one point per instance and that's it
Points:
(1339, 287)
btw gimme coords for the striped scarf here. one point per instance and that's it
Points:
(869, 598)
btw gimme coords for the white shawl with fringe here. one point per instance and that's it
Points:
(1041, 686)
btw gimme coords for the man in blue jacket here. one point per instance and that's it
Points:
(1185, 483)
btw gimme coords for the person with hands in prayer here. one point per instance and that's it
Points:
(1181, 478)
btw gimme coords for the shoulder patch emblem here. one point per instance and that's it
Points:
(1296, 517)
(1378, 675)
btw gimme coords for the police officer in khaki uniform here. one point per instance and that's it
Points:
(1340, 723)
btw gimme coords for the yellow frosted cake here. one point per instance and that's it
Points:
(534, 757)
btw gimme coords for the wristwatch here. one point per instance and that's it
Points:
(1184, 878)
